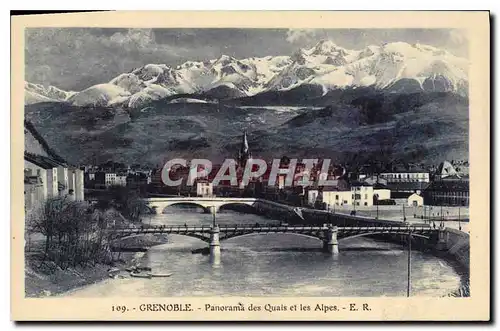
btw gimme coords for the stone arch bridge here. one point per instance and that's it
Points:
(216, 202)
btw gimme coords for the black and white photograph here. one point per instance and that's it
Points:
(168, 162)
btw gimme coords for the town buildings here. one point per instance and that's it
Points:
(406, 176)
(103, 177)
(448, 188)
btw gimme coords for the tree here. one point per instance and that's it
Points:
(127, 201)
(75, 233)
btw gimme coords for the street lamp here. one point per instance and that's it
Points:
(459, 225)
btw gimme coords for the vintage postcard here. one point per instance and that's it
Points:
(183, 166)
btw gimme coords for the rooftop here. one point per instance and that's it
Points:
(407, 186)
(449, 185)
(44, 162)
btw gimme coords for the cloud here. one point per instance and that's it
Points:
(458, 37)
(137, 38)
(300, 35)
(73, 58)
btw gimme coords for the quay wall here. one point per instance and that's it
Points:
(458, 246)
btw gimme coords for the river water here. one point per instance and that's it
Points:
(277, 265)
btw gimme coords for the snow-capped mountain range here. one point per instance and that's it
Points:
(35, 93)
(397, 66)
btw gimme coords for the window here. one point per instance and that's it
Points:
(366, 197)
(366, 203)
(337, 197)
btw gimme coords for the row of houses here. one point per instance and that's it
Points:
(416, 188)
(46, 174)
(356, 193)
(106, 179)
(447, 188)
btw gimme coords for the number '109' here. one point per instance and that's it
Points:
(119, 308)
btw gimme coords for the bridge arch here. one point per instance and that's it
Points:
(201, 237)
(161, 207)
(382, 232)
(246, 234)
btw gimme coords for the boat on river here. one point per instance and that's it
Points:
(161, 275)
(139, 275)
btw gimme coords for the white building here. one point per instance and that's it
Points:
(406, 176)
(121, 179)
(362, 194)
(415, 200)
(337, 198)
(312, 196)
(382, 193)
(204, 188)
(46, 174)
(110, 179)
(47, 178)
(35, 189)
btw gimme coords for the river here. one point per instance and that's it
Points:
(277, 265)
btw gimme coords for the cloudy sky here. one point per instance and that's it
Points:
(74, 59)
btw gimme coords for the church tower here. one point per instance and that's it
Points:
(244, 153)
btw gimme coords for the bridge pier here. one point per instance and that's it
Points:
(331, 244)
(214, 243)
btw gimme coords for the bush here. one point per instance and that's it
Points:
(75, 232)
(127, 201)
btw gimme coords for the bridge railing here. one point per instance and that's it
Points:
(268, 228)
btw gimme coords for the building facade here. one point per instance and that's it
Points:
(46, 174)
(362, 194)
(415, 200)
(406, 176)
(337, 198)
(204, 188)
(46, 178)
(447, 192)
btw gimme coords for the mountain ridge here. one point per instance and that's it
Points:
(394, 67)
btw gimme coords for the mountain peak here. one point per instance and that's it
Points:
(326, 47)
(398, 65)
(225, 59)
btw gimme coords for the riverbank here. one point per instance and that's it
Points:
(456, 252)
(46, 279)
